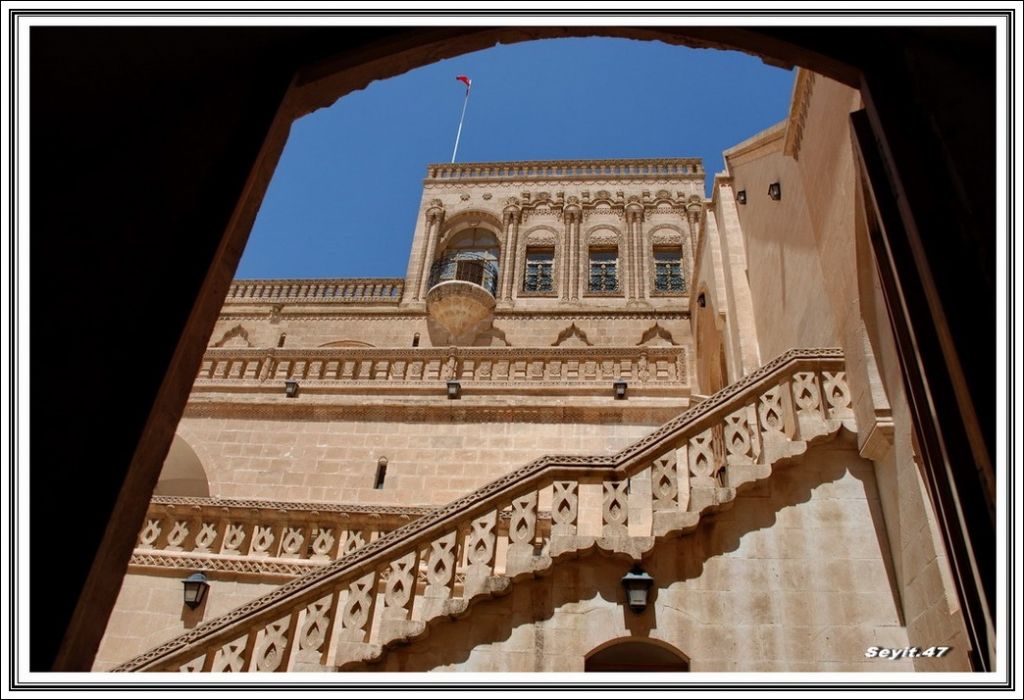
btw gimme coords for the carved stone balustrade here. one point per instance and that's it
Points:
(265, 538)
(345, 291)
(352, 609)
(649, 370)
(590, 170)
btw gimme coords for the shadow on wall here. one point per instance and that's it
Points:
(525, 634)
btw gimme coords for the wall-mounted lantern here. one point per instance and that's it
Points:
(454, 389)
(637, 583)
(775, 191)
(195, 589)
(291, 388)
(620, 389)
(741, 196)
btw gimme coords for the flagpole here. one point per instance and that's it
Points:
(458, 134)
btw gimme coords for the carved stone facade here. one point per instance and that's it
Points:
(380, 491)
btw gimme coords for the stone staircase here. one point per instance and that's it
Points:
(555, 508)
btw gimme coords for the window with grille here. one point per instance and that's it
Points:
(539, 270)
(668, 270)
(604, 264)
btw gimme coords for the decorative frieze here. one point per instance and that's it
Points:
(410, 366)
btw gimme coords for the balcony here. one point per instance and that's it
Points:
(462, 290)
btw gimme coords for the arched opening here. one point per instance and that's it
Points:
(182, 473)
(712, 362)
(470, 256)
(636, 656)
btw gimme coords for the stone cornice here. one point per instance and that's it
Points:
(625, 169)
(799, 105)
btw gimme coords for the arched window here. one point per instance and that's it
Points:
(476, 241)
(604, 269)
(471, 256)
(668, 269)
(636, 655)
(539, 273)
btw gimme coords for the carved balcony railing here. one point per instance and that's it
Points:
(389, 591)
(626, 168)
(466, 267)
(267, 538)
(647, 369)
(361, 291)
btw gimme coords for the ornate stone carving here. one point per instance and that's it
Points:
(262, 539)
(571, 336)
(770, 410)
(479, 539)
(615, 509)
(359, 607)
(177, 535)
(149, 533)
(206, 537)
(292, 541)
(603, 237)
(836, 390)
(701, 452)
(230, 657)
(316, 624)
(522, 529)
(237, 336)
(805, 391)
(564, 506)
(657, 335)
(273, 647)
(740, 445)
(323, 542)
(664, 482)
(233, 538)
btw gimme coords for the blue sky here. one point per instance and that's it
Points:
(344, 199)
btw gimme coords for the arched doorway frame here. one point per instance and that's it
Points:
(321, 83)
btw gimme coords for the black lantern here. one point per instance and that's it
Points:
(637, 582)
(291, 388)
(620, 389)
(775, 191)
(195, 589)
(741, 196)
(454, 390)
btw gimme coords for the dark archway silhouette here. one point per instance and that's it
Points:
(188, 133)
(637, 655)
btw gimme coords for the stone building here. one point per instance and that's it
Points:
(591, 377)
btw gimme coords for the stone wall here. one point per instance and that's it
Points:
(812, 282)
(796, 576)
(336, 460)
(150, 610)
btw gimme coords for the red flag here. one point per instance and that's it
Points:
(465, 79)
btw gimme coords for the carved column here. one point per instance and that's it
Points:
(512, 217)
(434, 216)
(636, 254)
(693, 218)
(570, 248)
